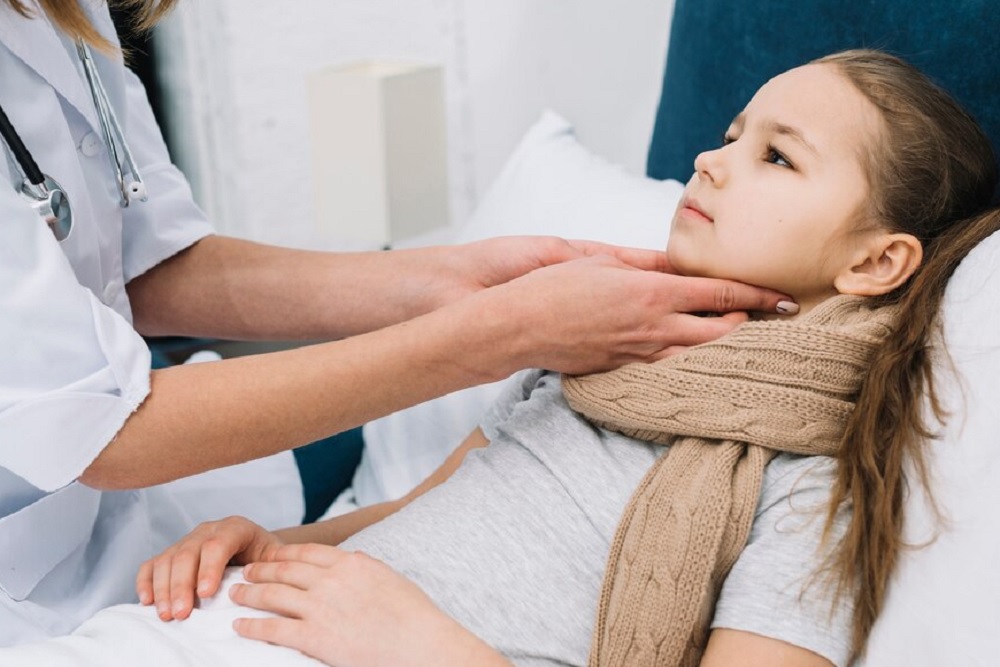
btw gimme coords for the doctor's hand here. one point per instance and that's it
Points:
(197, 562)
(474, 266)
(350, 610)
(600, 312)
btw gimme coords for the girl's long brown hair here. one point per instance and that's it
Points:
(69, 17)
(932, 174)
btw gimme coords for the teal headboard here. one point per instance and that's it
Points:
(721, 51)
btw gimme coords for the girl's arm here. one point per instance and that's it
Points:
(336, 530)
(727, 648)
(197, 562)
(347, 608)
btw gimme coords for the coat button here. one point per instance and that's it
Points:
(111, 291)
(90, 145)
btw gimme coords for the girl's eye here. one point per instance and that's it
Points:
(727, 139)
(775, 157)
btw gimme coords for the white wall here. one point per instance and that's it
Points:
(235, 74)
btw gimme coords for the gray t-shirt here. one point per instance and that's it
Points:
(514, 545)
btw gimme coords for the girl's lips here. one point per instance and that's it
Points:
(690, 211)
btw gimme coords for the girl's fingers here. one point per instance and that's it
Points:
(215, 556)
(289, 572)
(321, 555)
(281, 631)
(276, 598)
(144, 583)
(183, 570)
(161, 587)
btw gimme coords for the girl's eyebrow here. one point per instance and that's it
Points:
(777, 128)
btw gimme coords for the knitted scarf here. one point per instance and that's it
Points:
(725, 408)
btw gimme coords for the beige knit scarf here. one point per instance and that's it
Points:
(725, 408)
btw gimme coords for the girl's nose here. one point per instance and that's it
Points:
(711, 166)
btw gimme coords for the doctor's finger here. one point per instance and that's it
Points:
(686, 330)
(671, 351)
(734, 319)
(637, 258)
(723, 296)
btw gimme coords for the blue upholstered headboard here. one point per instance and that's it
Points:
(721, 51)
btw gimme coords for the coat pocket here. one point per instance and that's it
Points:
(38, 537)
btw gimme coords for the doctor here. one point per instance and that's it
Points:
(91, 440)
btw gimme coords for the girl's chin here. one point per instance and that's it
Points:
(684, 265)
(679, 261)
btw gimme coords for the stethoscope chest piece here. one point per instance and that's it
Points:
(50, 203)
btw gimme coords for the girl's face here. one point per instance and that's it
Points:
(781, 202)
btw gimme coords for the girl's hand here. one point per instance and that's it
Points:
(197, 562)
(350, 610)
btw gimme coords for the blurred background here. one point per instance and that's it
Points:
(230, 82)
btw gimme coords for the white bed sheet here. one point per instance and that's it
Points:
(129, 635)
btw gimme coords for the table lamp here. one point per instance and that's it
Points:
(378, 151)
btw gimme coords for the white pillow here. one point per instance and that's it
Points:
(944, 604)
(549, 185)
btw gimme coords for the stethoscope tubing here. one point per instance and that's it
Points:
(109, 124)
(20, 151)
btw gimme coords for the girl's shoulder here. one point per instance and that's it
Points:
(797, 484)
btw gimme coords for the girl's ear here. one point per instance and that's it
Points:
(884, 262)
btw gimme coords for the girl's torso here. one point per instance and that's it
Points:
(514, 545)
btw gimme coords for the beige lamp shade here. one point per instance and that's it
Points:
(378, 151)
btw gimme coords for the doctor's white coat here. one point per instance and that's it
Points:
(72, 368)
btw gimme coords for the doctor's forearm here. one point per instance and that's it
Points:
(229, 288)
(204, 416)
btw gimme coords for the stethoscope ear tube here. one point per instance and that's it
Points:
(20, 151)
(130, 189)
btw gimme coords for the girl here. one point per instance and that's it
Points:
(686, 506)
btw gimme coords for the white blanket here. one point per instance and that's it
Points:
(129, 634)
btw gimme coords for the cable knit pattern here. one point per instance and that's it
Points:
(725, 408)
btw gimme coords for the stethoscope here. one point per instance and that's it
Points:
(43, 193)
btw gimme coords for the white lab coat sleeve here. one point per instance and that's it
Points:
(72, 370)
(169, 221)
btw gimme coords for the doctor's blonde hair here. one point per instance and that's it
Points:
(70, 17)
